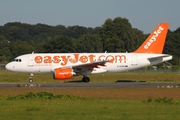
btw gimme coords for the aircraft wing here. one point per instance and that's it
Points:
(91, 65)
(85, 66)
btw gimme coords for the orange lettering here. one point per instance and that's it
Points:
(91, 58)
(99, 59)
(76, 57)
(121, 57)
(65, 60)
(111, 58)
(75, 60)
(83, 59)
(38, 59)
(47, 59)
(56, 59)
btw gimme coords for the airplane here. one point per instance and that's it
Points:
(64, 66)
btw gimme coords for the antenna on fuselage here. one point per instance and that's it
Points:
(33, 52)
(105, 51)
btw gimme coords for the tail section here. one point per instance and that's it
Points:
(155, 42)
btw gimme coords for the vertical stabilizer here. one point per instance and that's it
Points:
(155, 42)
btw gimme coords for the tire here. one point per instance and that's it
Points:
(85, 79)
(30, 80)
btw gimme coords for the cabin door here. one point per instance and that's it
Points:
(133, 60)
(30, 61)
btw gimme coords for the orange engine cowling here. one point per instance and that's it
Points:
(62, 73)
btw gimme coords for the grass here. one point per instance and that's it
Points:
(89, 108)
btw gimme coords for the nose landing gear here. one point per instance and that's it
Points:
(31, 78)
(31, 82)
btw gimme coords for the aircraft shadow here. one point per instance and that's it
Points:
(73, 81)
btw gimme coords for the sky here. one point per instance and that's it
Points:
(142, 14)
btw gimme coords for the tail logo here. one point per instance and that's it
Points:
(153, 38)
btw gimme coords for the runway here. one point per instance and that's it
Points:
(93, 85)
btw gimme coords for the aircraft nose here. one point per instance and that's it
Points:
(9, 66)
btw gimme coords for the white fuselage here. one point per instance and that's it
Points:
(118, 62)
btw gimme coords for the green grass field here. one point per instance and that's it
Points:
(89, 103)
(87, 109)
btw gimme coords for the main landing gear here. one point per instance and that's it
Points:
(85, 79)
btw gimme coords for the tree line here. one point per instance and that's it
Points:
(115, 35)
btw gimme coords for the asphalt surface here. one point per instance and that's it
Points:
(93, 85)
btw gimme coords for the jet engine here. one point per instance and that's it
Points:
(63, 73)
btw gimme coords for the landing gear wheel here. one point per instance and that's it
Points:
(30, 80)
(85, 79)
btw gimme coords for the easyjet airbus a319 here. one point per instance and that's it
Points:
(66, 65)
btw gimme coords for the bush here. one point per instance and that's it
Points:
(164, 100)
(42, 95)
(161, 100)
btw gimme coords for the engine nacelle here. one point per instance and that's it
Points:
(63, 73)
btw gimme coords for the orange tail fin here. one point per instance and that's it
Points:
(155, 42)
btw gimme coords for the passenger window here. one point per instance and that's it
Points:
(20, 60)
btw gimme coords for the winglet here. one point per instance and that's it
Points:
(155, 42)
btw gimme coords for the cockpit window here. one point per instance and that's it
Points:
(17, 60)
